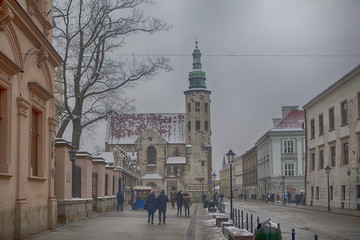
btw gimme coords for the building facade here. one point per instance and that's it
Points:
(173, 150)
(281, 156)
(333, 137)
(27, 118)
(250, 173)
(238, 186)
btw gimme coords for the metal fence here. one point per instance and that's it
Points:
(246, 221)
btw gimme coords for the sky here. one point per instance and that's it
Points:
(257, 55)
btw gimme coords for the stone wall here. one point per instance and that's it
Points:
(73, 210)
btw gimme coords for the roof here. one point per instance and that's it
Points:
(108, 156)
(292, 121)
(126, 128)
(176, 160)
(152, 176)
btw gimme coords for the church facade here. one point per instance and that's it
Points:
(173, 150)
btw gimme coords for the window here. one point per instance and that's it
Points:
(321, 159)
(197, 107)
(313, 161)
(331, 193)
(344, 109)
(189, 126)
(4, 142)
(189, 107)
(331, 119)
(289, 169)
(206, 125)
(358, 191)
(312, 128)
(321, 124)
(151, 154)
(345, 153)
(34, 142)
(343, 192)
(197, 125)
(317, 193)
(113, 186)
(206, 107)
(312, 193)
(333, 156)
(288, 146)
(106, 184)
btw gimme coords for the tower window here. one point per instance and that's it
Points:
(206, 107)
(197, 107)
(189, 126)
(189, 107)
(197, 125)
(206, 125)
(151, 154)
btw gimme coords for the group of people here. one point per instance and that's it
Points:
(181, 200)
(153, 203)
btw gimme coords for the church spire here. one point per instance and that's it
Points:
(197, 77)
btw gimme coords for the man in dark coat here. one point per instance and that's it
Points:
(179, 202)
(151, 203)
(162, 200)
(120, 201)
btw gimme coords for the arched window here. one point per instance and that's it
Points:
(197, 125)
(151, 155)
(151, 184)
(206, 125)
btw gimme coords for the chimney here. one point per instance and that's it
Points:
(287, 109)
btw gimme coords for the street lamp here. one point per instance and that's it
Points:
(72, 155)
(230, 156)
(214, 177)
(327, 170)
(283, 182)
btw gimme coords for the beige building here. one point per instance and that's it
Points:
(333, 137)
(238, 176)
(173, 150)
(224, 182)
(27, 118)
(249, 173)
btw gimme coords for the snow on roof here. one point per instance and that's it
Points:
(176, 160)
(108, 156)
(126, 128)
(152, 176)
(292, 121)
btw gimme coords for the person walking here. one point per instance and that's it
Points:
(179, 202)
(187, 203)
(151, 204)
(120, 201)
(173, 199)
(162, 200)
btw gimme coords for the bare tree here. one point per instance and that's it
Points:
(86, 32)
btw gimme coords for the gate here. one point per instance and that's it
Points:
(76, 181)
(94, 190)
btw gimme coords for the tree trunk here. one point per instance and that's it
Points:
(62, 128)
(76, 133)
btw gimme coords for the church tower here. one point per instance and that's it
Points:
(198, 131)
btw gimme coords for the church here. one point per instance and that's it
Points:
(171, 150)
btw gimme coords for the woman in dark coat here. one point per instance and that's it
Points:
(151, 203)
(179, 202)
(162, 200)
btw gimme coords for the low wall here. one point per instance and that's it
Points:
(106, 204)
(72, 210)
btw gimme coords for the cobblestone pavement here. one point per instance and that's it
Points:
(132, 224)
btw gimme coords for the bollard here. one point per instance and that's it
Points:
(242, 219)
(247, 222)
(316, 237)
(257, 220)
(292, 234)
(238, 226)
(251, 222)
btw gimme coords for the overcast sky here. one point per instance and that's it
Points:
(257, 55)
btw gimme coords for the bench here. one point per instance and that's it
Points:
(226, 224)
(212, 209)
(219, 220)
(233, 233)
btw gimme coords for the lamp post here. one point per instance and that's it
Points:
(283, 183)
(230, 156)
(327, 170)
(265, 191)
(72, 156)
(214, 177)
